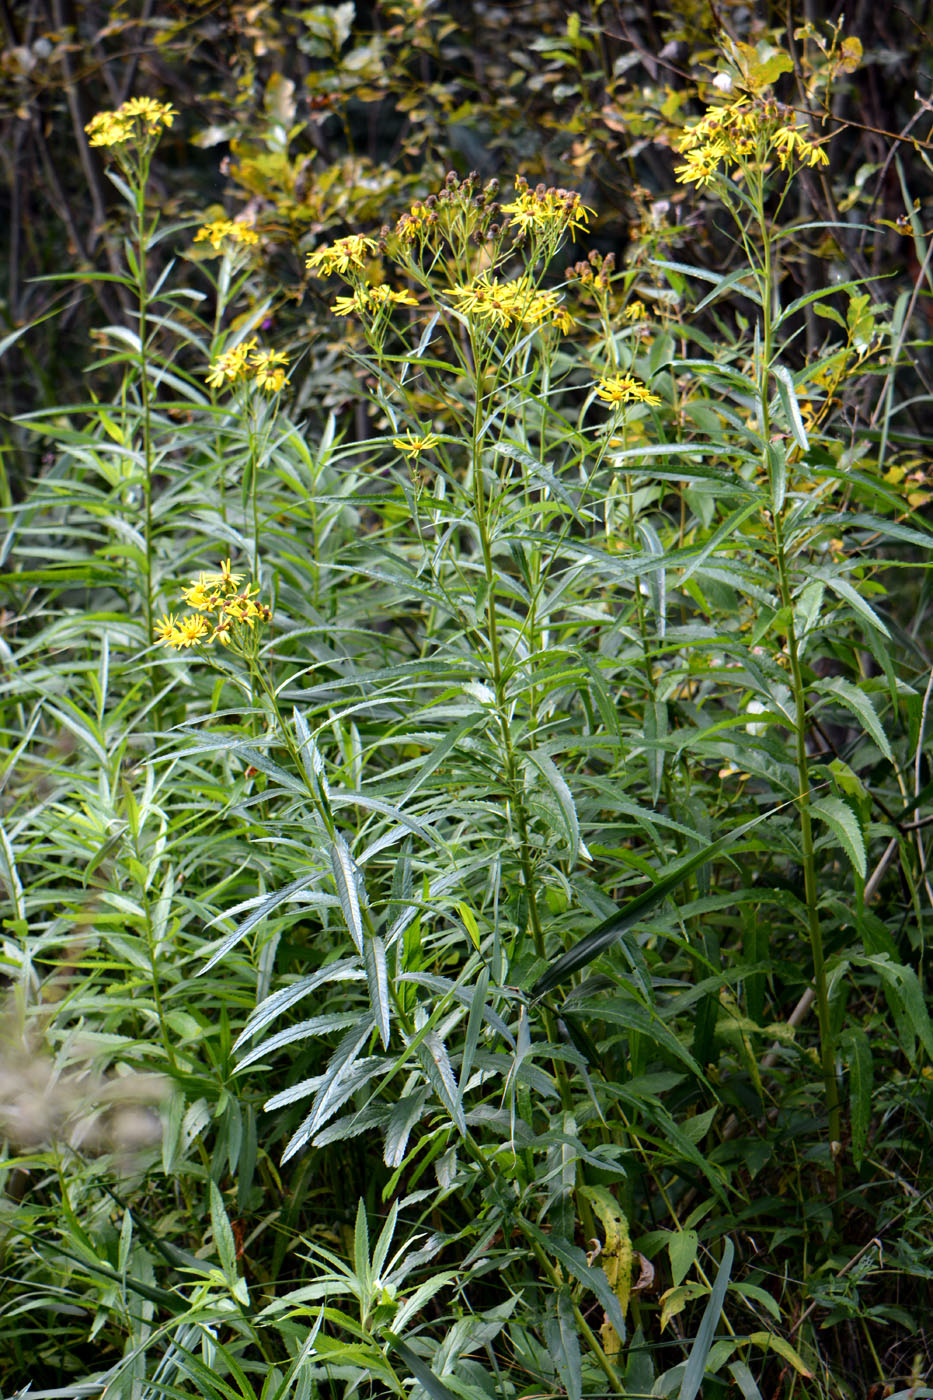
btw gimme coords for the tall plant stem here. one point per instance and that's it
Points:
(498, 676)
(143, 305)
(811, 891)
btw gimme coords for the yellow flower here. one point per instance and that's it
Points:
(488, 299)
(140, 117)
(416, 222)
(349, 306)
(411, 445)
(243, 608)
(224, 577)
(343, 256)
(701, 164)
(223, 632)
(166, 629)
(108, 129)
(384, 295)
(366, 299)
(231, 365)
(547, 210)
(791, 142)
(188, 632)
(268, 369)
(635, 311)
(202, 595)
(219, 230)
(154, 115)
(624, 388)
(214, 591)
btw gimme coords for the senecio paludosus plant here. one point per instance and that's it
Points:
(533, 443)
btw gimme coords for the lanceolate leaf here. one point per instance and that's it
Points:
(572, 1258)
(841, 820)
(347, 880)
(374, 960)
(860, 705)
(860, 1089)
(696, 1361)
(420, 1370)
(599, 939)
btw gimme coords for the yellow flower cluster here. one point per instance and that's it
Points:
(743, 129)
(617, 389)
(220, 611)
(506, 303)
(546, 209)
(245, 361)
(416, 223)
(412, 446)
(371, 299)
(140, 118)
(218, 231)
(346, 255)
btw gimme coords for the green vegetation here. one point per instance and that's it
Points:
(466, 705)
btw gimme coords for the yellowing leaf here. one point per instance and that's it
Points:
(617, 1258)
(769, 1342)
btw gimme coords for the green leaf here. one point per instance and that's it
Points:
(745, 1381)
(769, 1341)
(696, 1361)
(361, 1249)
(728, 527)
(223, 1235)
(903, 985)
(844, 590)
(602, 937)
(556, 782)
(347, 879)
(377, 979)
(682, 1247)
(563, 1344)
(860, 705)
(572, 1258)
(420, 1370)
(788, 395)
(856, 1045)
(435, 1062)
(843, 823)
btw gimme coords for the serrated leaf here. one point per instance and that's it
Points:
(377, 979)
(860, 705)
(436, 1064)
(841, 820)
(361, 1248)
(224, 1242)
(405, 1114)
(564, 797)
(844, 590)
(347, 880)
(262, 910)
(788, 395)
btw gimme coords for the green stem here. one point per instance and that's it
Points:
(143, 305)
(798, 690)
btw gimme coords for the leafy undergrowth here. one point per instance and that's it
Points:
(467, 872)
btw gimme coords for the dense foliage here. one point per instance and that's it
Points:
(465, 695)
